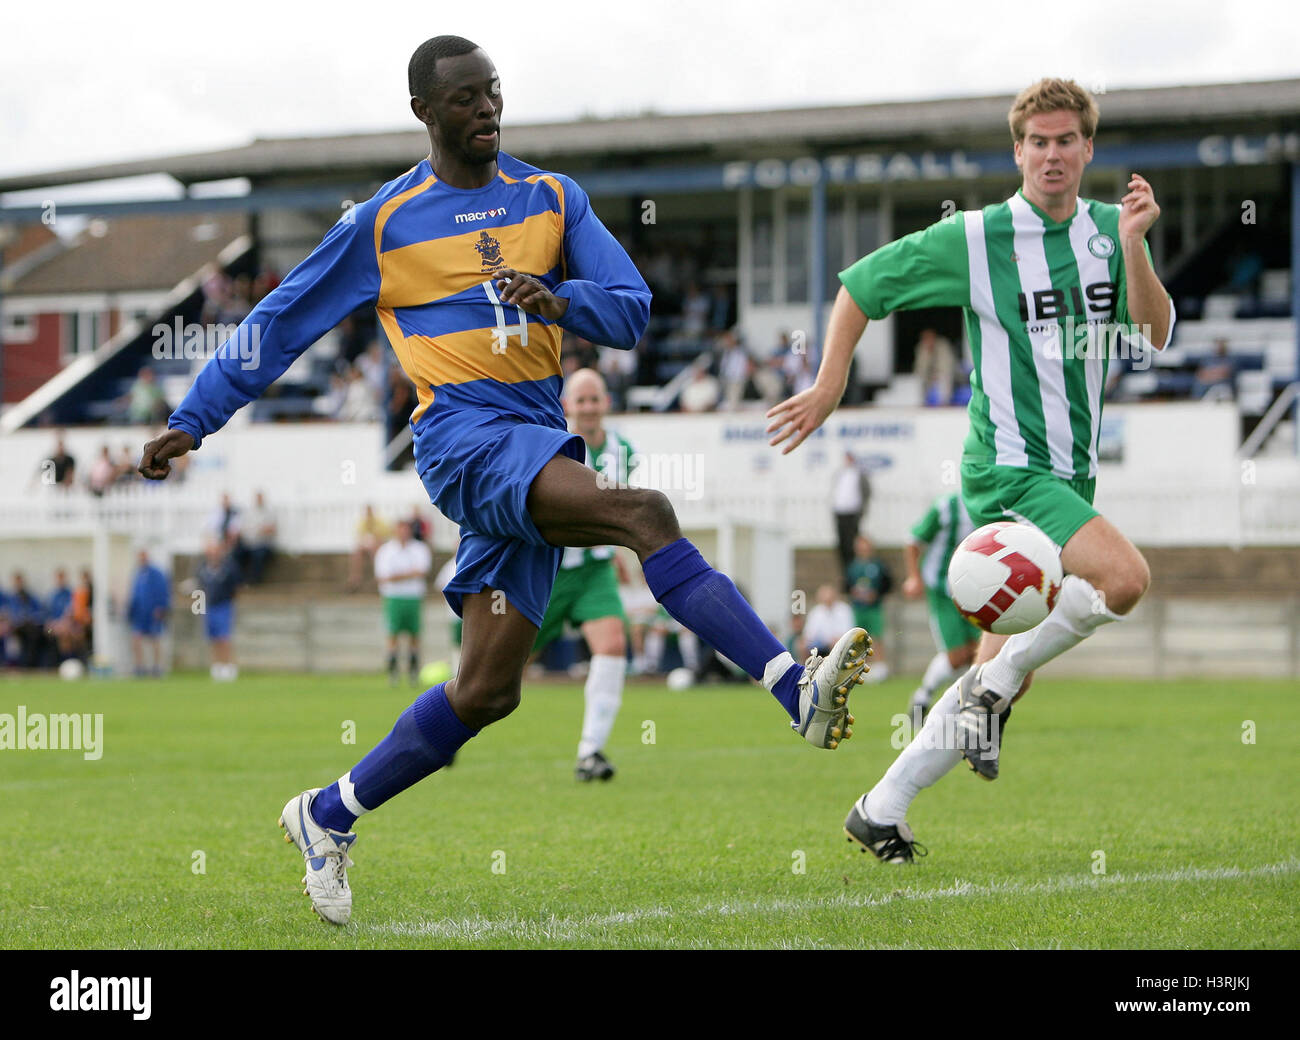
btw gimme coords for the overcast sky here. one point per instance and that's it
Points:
(137, 79)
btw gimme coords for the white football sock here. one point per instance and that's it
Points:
(654, 650)
(937, 672)
(930, 755)
(689, 646)
(603, 695)
(1079, 612)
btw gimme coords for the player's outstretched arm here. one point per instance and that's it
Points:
(339, 276)
(798, 416)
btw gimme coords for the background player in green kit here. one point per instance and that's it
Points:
(586, 589)
(1045, 279)
(934, 539)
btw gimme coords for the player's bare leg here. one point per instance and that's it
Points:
(570, 507)
(495, 643)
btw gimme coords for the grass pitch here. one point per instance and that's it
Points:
(722, 829)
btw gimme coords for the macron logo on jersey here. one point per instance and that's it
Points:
(469, 218)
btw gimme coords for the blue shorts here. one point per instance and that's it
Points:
(480, 481)
(151, 627)
(220, 619)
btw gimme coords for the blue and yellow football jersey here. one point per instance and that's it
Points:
(424, 254)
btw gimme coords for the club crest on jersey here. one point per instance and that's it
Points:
(490, 250)
(1101, 245)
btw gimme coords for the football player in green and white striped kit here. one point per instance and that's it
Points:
(934, 539)
(586, 588)
(1046, 279)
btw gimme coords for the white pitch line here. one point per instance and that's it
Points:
(561, 928)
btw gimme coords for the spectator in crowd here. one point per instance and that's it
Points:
(701, 393)
(144, 402)
(795, 643)
(126, 466)
(146, 613)
(850, 497)
(218, 577)
(6, 629)
(799, 371)
(60, 468)
(1217, 375)
(696, 311)
(374, 370)
(640, 607)
(263, 283)
(372, 532)
(619, 370)
(257, 539)
(869, 583)
(828, 619)
(401, 567)
(70, 627)
(60, 599)
(734, 368)
(360, 402)
(935, 367)
(769, 377)
(224, 524)
(238, 301)
(26, 623)
(355, 334)
(401, 402)
(103, 473)
(419, 525)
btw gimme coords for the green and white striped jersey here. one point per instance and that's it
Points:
(941, 530)
(1042, 300)
(614, 461)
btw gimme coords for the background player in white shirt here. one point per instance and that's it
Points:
(401, 565)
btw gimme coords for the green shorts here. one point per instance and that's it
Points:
(584, 593)
(1055, 506)
(947, 624)
(402, 614)
(871, 618)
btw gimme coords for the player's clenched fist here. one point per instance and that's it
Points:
(523, 290)
(154, 461)
(1138, 209)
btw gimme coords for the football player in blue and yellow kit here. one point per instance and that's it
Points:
(475, 262)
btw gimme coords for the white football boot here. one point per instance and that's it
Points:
(326, 855)
(824, 718)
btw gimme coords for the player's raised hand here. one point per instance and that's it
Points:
(799, 416)
(1138, 209)
(154, 464)
(523, 290)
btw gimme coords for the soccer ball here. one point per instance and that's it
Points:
(680, 679)
(435, 672)
(1005, 577)
(72, 669)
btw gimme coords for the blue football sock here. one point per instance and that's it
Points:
(425, 738)
(709, 604)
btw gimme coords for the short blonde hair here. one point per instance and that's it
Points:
(1052, 95)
